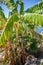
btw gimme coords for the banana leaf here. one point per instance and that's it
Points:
(7, 32)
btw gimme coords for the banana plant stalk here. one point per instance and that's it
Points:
(10, 53)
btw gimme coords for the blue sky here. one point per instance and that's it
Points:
(39, 29)
(27, 4)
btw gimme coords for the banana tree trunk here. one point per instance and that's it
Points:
(10, 53)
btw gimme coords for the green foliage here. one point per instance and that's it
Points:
(12, 6)
(1, 23)
(35, 8)
(22, 8)
(1, 13)
(33, 45)
(8, 29)
(36, 19)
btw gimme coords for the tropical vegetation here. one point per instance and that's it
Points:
(19, 37)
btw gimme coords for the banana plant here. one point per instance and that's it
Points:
(7, 31)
